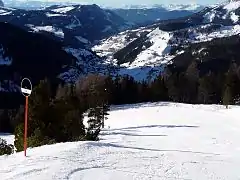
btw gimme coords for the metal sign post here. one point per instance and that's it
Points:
(26, 88)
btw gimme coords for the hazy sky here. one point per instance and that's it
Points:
(120, 2)
(134, 2)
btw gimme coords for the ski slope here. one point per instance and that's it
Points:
(151, 141)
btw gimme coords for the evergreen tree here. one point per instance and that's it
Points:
(227, 97)
(5, 148)
(159, 91)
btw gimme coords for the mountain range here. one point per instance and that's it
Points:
(144, 52)
(137, 14)
(143, 15)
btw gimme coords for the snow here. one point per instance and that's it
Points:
(7, 137)
(209, 17)
(232, 6)
(220, 33)
(63, 9)
(185, 7)
(151, 61)
(157, 51)
(107, 47)
(142, 141)
(83, 40)
(54, 15)
(74, 23)
(78, 52)
(86, 62)
(234, 17)
(107, 28)
(51, 29)
(4, 12)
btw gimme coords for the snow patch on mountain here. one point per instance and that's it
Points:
(54, 15)
(186, 7)
(87, 62)
(156, 52)
(195, 36)
(78, 52)
(51, 29)
(232, 6)
(107, 28)
(83, 40)
(209, 17)
(63, 9)
(234, 17)
(107, 47)
(75, 22)
(4, 12)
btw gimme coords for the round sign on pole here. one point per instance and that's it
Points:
(26, 87)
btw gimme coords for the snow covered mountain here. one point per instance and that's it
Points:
(75, 28)
(36, 4)
(144, 52)
(143, 15)
(33, 55)
(78, 25)
(137, 14)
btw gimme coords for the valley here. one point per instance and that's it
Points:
(131, 92)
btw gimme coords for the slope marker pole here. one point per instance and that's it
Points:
(26, 88)
(26, 125)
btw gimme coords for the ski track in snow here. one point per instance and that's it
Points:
(144, 141)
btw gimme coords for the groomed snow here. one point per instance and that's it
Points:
(145, 141)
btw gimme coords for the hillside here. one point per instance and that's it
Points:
(26, 54)
(147, 54)
(75, 25)
(142, 141)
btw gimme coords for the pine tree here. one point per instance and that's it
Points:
(158, 90)
(95, 118)
(227, 96)
(203, 92)
(5, 148)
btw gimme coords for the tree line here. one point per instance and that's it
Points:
(57, 112)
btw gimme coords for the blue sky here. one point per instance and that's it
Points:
(128, 2)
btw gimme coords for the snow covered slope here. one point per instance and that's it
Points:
(223, 13)
(143, 141)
